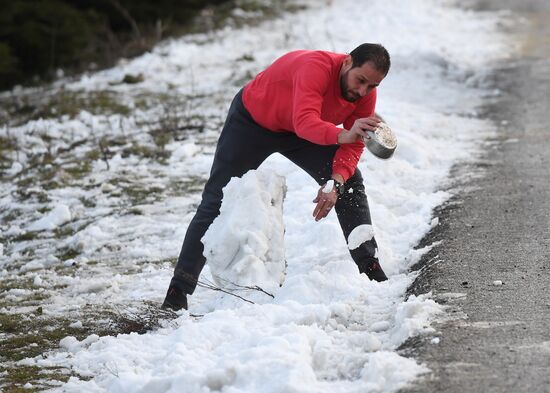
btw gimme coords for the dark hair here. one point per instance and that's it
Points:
(375, 53)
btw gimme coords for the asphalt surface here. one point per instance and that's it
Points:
(496, 338)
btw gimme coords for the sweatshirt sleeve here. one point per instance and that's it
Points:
(347, 156)
(311, 82)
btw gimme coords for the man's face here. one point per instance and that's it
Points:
(359, 81)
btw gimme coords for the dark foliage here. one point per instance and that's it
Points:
(39, 36)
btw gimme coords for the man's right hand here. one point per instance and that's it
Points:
(358, 130)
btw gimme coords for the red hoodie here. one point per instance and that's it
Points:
(300, 92)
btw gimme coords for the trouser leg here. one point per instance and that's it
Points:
(352, 208)
(242, 146)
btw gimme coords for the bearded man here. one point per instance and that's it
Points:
(294, 108)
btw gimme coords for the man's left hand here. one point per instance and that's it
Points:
(325, 202)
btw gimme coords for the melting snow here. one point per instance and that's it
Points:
(328, 329)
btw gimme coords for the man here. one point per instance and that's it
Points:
(292, 108)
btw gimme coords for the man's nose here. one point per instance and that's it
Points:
(363, 90)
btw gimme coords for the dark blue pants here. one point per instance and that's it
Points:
(243, 145)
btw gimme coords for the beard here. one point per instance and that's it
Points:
(347, 94)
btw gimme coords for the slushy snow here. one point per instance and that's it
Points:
(328, 329)
(359, 235)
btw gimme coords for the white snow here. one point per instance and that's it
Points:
(359, 235)
(327, 329)
(183, 151)
(37, 281)
(329, 186)
(58, 216)
(244, 246)
(76, 325)
(72, 345)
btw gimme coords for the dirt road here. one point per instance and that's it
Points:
(497, 337)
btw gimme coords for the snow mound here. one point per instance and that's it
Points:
(57, 217)
(245, 244)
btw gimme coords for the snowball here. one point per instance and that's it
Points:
(328, 187)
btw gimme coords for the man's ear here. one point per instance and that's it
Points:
(348, 63)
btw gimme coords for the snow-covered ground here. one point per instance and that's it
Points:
(327, 329)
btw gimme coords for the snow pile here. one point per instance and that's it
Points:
(328, 329)
(55, 218)
(244, 246)
(285, 346)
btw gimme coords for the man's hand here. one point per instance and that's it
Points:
(326, 199)
(358, 130)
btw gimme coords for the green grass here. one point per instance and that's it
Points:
(10, 215)
(67, 253)
(71, 103)
(9, 323)
(7, 147)
(79, 169)
(26, 236)
(145, 151)
(16, 377)
(28, 336)
(21, 282)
